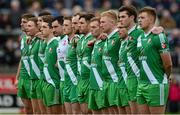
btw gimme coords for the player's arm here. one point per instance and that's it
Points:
(167, 63)
(17, 74)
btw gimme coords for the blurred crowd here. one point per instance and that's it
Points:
(11, 11)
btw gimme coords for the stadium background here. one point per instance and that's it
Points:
(11, 11)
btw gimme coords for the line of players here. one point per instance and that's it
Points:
(85, 63)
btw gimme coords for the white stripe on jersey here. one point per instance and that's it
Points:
(134, 66)
(79, 67)
(71, 74)
(98, 78)
(161, 91)
(124, 74)
(61, 71)
(35, 68)
(111, 70)
(149, 74)
(26, 64)
(48, 77)
(165, 80)
(86, 64)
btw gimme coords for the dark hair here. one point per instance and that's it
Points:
(44, 13)
(59, 19)
(67, 18)
(131, 11)
(150, 11)
(33, 19)
(27, 15)
(87, 17)
(48, 19)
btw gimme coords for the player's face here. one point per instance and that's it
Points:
(123, 32)
(144, 20)
(45, 29)
(67, 28)
(95, 28)
(75, 21)
(105, 24)
(124, 19)
(24, 24)
(31, 28)
(83, 26)
(39, 22)
(57, 28)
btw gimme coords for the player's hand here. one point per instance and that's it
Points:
(39, 35)
(91, 43)
(16, 83)
(103, 36)
(157, 30)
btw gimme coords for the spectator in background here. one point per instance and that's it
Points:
(9, 48)
(15, 14)
(35, 8)
(167, 21)
(174, 43)
(5, 21)
(174, 9)
(174, 96)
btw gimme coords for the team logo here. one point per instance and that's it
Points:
(64, 42)
(163, 45)
(100, 49)
(113, 42)
(149, 40)
(130, 38)
(50, 49)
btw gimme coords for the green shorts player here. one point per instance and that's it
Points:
(51, 95)
(23, 74)
(85, 53)
(155, 66)
(110, 70)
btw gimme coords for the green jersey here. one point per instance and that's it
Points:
(96, 80)
(132, 63)
(71, 65)
(123, 58)
(50, 71)
(79, 53)
(110, 57)
(41, 55)
(86, 56)
(24, 69)
(61, 55)
(150, 47)
(34, 66)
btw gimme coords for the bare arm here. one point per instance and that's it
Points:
(17, 74)
(167, 63)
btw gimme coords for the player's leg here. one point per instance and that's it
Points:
(63, 109)
(157, 98)
(143, 109)
(68, 107)
(132, 91)
(24, 87)
(34, 98)
(74, 100)
(27, 106)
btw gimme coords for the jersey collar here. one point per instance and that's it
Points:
(147, 34)
(132, 29)
(89, 34)
(112, 33)
(51, 40)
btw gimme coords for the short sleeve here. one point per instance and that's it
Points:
(161, 43)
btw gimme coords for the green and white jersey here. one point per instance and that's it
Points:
(41, 55)
(123, 58)
(71, 65)
(61, 54)
(132, 63)
(34, 66)
(110, 57)
(150, 47)
(79, 52)
(24, 69)
(96, 80)
(50, 71)
(86, 56)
